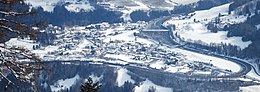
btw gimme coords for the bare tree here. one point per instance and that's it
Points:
(10, 56)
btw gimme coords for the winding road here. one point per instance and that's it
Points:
(245, 66)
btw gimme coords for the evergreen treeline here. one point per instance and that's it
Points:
(237, 3)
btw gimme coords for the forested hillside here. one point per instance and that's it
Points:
(249, 29)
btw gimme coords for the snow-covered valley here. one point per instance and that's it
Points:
(167, 53)
(120, 46)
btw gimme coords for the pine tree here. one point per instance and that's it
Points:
(90, 86)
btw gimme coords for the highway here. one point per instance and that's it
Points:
(245, 66)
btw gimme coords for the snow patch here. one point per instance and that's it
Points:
(95, 78)
(198, 31)
(250, 88)
(64, 84)
(218, 62)
(49, 5)
(79, 6)
(44, 51)
(129, 6)
(172, 69)
(126, 17)
(122, 77)
(124, 58)
(253, 74)
(183, 2)
(147, 84)
(28, 44)
(258, 26)
(157, 65)
(128, 36)
(189, 29)
(84, 43)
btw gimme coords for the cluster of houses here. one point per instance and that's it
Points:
(92, 45)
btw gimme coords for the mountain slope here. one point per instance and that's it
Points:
(70, 5)
(194, 26)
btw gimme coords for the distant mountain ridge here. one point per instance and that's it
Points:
(70, 5)
(84, 12)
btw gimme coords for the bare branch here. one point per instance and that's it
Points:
(10, 55)
(8, 13)
(22, 71)
(9, 2)
(9, 29)
(11, 21)
(23, 29)
(4, 77)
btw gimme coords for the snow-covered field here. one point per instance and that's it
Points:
(190, 57)
(151, 4)
(188, 29)
(252, 74)
(258, 26)
(199, 31)
(122, 77)
(250, 88)
(218, 62)
(64, 84)
(255, 88)
(128, 6)
(128, 37)
(78, 7)
(21, 43)
(181, 1)
(49, 5)
(127, 58)
(147, 84)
